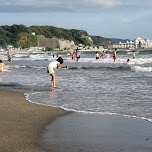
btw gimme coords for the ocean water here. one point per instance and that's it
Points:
(89, 86)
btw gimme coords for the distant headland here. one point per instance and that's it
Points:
(50, 38)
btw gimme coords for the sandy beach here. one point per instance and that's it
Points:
(28, 127)
(22, 122)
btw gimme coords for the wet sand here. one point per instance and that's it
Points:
(28, 127)
(22, 122)
(78, 132)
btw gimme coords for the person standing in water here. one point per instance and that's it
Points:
(53, 65)
(78, 56)
(114, 56)
(103, 54)
(2, 66)
(134, 55)
(9, 58)
(97, 56)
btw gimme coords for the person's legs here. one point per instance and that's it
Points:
(114, 61)
(53, 79)
(114, 57)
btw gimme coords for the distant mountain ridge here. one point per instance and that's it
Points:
(116, 40)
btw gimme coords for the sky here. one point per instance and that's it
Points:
(125, 19)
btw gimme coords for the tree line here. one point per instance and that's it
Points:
(20, 35)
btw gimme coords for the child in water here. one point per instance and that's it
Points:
(9, 58)
(128, 62)
(53, 65)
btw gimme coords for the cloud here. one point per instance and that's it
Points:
(54, 5)
(139, 3)
(66, 5)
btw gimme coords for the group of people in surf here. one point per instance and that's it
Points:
(2, 65)
(128, 60)
(106, 56)
(59, 61)
(74, 55)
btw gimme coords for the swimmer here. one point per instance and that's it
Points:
(128, 62)
(106, 54)
(2, 66)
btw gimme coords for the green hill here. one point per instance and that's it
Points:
(20, 35)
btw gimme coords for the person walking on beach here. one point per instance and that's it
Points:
(9, 58)
(53, 65)
(134, 55)
(97, 56)
(2, 66)
(114, 56)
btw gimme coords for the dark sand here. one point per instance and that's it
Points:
(79, 132)
(22, 122)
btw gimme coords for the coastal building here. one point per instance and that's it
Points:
(143, 43)
(36, 49)
(137, 43)
(10, 47)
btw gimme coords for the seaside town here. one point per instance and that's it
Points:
(66, 45)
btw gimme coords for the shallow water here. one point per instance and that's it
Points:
(89, 86)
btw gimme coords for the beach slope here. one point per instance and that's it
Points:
(22, 122)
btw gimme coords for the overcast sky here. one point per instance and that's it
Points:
(126, 19)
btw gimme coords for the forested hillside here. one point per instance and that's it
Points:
(20, 35)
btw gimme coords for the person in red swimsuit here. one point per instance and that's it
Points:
(114, 56)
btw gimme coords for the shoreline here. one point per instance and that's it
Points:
(26, 127)
(66, 51)
(22, 122)
(26, 52)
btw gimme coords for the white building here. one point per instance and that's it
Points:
(138, 43)
(143, 43)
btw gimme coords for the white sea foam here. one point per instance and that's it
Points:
(39, 57)
(27, 95)
(3, 57)
(138, 61)
(141, 69)
(20, 55)
(129, 52)
(19, 66)
(26, 66)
